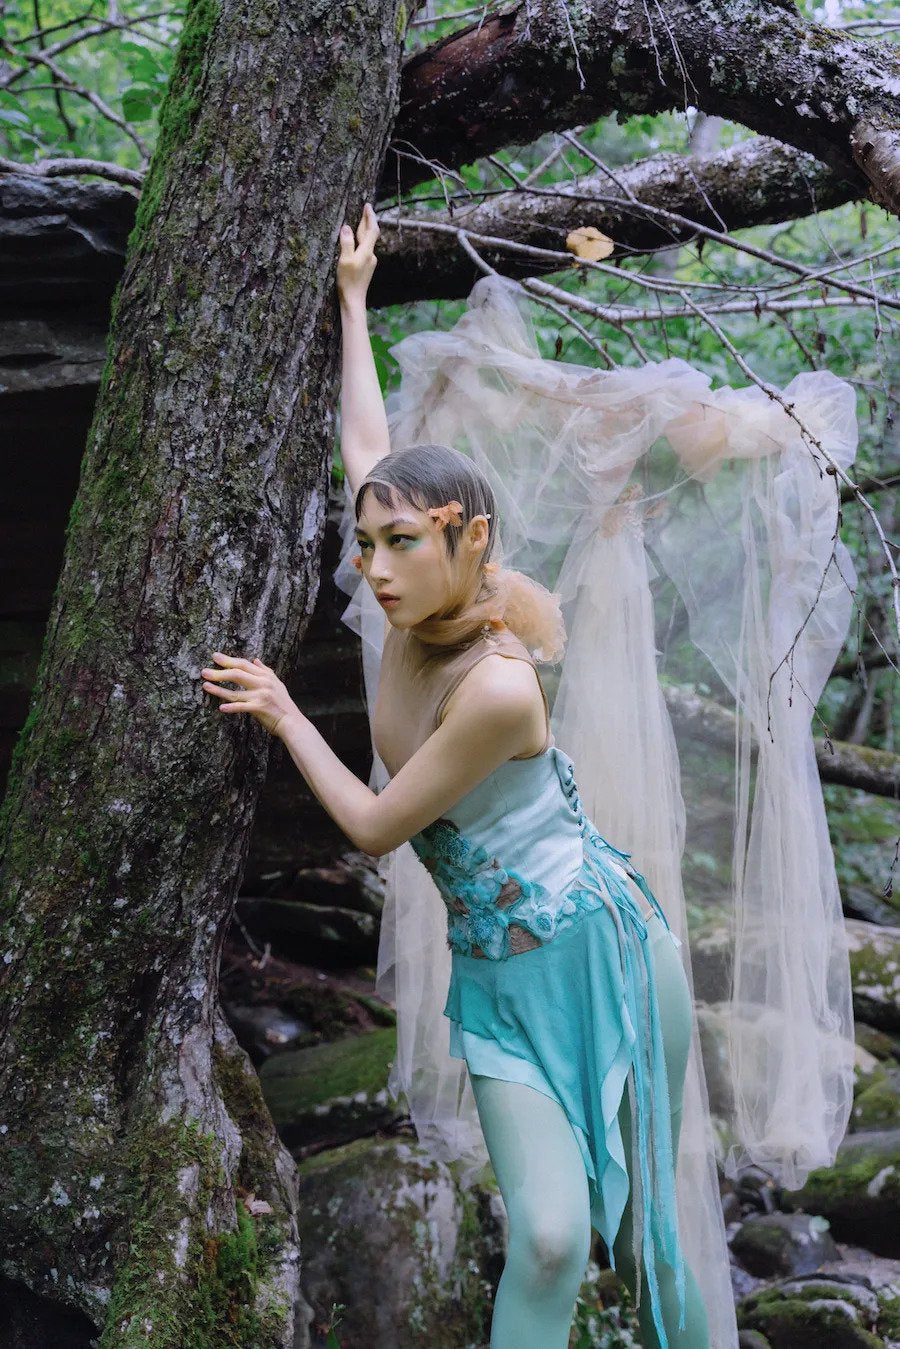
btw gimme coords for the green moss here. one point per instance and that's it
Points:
(830, 1184)
(328, 1011)
(156, 1289)
(241, 1091)
(881, 1044)
(348, 1154)
(889, 1318)
(878, 1107)
(298, 1080)
(178, 112)
(188, 1288)
(385, 1016)
(797, 1322)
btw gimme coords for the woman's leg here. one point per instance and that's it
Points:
(543, 1181)
(676, 1019)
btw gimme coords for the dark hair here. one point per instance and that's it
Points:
(431, 475)
(480, 592)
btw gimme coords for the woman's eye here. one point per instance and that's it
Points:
(363, 544)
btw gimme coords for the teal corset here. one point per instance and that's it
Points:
(520, 862)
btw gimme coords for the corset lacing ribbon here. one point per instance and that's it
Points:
(618, 893)
(654, 1209)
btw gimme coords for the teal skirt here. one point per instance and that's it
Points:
(571, 1019)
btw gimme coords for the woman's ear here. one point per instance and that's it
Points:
(478, 533)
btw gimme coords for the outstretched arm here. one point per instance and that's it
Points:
(494, 723)
(364, 431)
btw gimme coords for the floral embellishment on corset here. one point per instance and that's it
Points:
(493, 912)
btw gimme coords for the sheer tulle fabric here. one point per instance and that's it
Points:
(604, 480)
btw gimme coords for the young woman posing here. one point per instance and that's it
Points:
(568, 999)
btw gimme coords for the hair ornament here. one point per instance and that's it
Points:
(451, 514)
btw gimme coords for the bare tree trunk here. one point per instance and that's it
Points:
(141, 1179)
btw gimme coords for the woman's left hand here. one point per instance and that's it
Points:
(262, 693)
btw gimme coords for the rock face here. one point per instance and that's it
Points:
(860, 1194)
(783, 1243)
(877, 1100)
(812, 1313)
(388, 1234)
(318, 934)
(329, 1094)
(875, 968)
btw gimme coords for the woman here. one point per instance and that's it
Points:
(568, 999)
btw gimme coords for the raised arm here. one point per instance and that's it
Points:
(364, 431)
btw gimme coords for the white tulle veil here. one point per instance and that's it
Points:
(605, 481)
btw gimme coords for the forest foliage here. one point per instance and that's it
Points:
(86, 80)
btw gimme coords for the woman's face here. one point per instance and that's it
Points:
(404, 555)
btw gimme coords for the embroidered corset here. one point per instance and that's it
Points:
(520, 861)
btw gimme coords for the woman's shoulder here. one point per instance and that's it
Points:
(489, 672)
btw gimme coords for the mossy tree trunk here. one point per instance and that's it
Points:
(133, 1133)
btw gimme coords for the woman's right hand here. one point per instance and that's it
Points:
(356, 263)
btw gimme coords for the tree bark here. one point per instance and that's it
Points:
(756, 182)
(136, 1146)
(542, 66)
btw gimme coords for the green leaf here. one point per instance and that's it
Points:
(385, 365)
(139, 103)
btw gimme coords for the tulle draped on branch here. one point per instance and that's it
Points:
(608, 483)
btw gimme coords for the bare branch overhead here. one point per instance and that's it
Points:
(533, 69)
(757, 182)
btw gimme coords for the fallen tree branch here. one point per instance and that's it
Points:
(756, 182)
(846, 765)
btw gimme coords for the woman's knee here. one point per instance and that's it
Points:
(554, 1245)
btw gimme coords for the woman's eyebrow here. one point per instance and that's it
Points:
(399, 520)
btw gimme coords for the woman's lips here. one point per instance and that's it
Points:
(388, 600)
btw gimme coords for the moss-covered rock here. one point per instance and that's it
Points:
(876, 1103)
(863, 829)
(860, 1193)
(711, 958)
(880, 1044)
(387, 1233)
(813, 1313)
(331, 1093)
(875, 973)
(783, 1243)
(712, 1023)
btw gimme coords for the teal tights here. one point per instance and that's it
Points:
(544, 1184)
